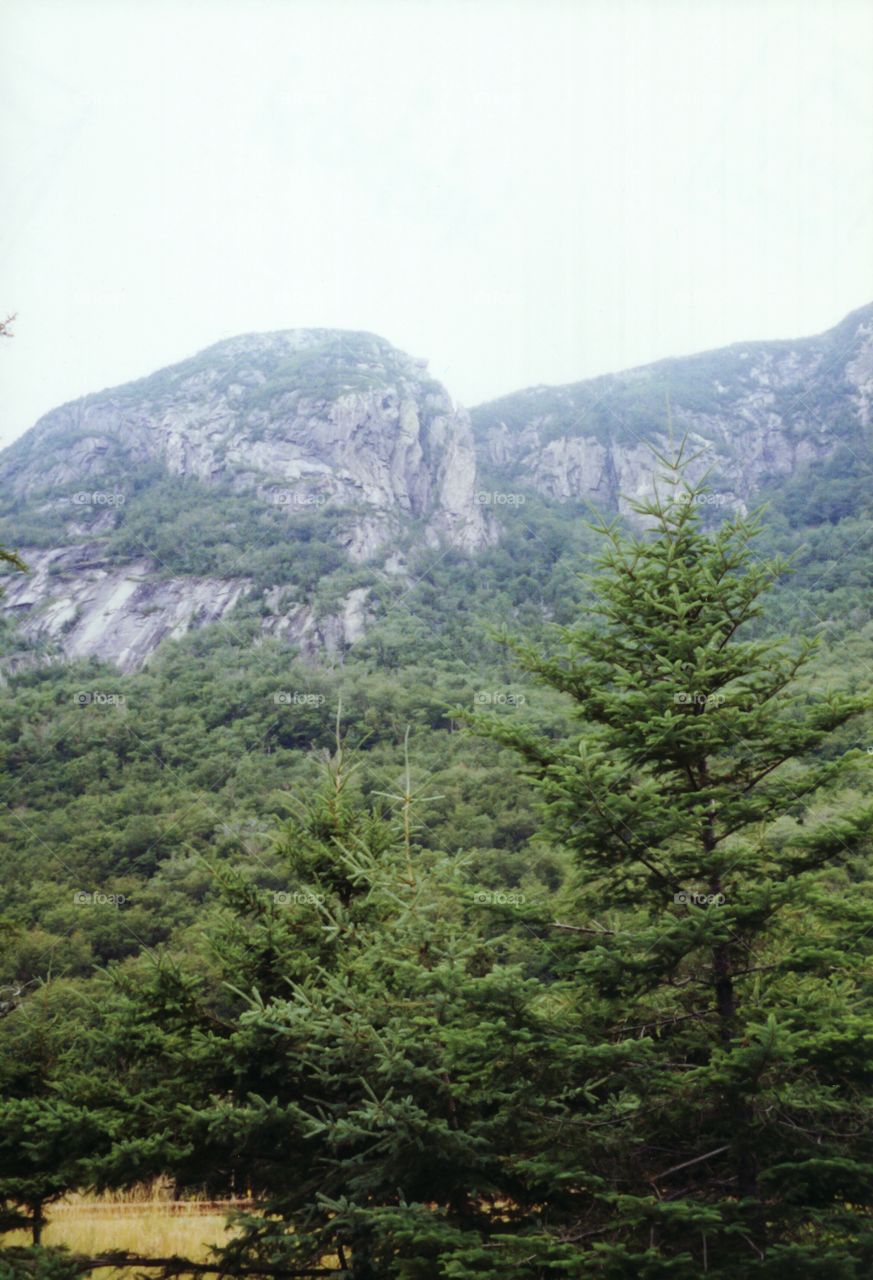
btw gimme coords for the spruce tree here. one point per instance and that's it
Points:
(716, 943)
(353, 1051)
(47, 1139)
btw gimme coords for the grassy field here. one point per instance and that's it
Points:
(151, 1225)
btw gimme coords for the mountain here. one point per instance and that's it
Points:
(299, 484)
(763, 411)
(290, 528)
(265, 464)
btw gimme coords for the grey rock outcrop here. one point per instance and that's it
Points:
(343, 424)
(304, 420)
(758, 411)
(93, 608)
(303, 417)
(75, 601)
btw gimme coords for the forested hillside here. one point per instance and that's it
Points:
(479, 882)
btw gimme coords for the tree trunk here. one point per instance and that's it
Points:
(37, 1222)
(739, 1116)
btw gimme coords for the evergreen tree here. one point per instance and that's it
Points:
(718, 946)
(347, 1050)
(47, 1137)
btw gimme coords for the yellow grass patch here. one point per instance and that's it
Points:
(148, 1227)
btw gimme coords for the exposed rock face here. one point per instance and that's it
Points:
(73, 597)
(760, 410)
(336, 422)
(306, 420)
(94, 609)
(302, 417)
(313, 635)
(859, 370)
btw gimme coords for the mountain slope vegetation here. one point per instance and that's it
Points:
(265, 891)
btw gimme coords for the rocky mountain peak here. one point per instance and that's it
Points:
(292, 477)
(326, 437)
(326, 415)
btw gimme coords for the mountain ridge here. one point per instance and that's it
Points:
(765, 409)
(300, 473)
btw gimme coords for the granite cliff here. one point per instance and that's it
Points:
(287, 477)
(311, 424)
(761, 411)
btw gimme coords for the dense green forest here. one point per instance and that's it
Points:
(530, 938)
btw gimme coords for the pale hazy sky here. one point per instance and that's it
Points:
(523, 191)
